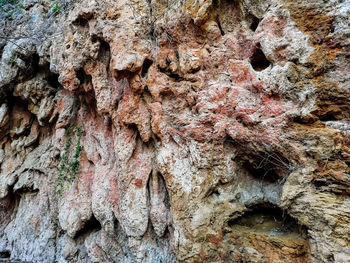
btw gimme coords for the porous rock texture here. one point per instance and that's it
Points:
(212, 131)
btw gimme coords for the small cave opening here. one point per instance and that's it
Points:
(258, 60)
(145, 67)
(122, 74)
(5, 254)
(270, 167)
(32, 66)
(19, 104)
(267, 218)
(215, 192)
(82, 20)
(52, 79)
(298, 119)
(85, 80)
(331, 116)
(8, 206)
(265, 172)
(254, 23)
(104, 53)
(327, 117)
(33, 60)
(88, 101)
(308, 119)
(319, 183)
(105, 49)
(14, 101)
(92, 225)
(81, 75)
(271, 232)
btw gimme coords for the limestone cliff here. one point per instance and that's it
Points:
(175, 131)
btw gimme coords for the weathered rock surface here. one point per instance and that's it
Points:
(203, 130)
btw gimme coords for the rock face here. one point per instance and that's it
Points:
(175, 131)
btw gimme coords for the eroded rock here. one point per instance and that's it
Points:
(175, 131)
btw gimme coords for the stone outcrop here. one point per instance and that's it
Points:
(175, 131)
